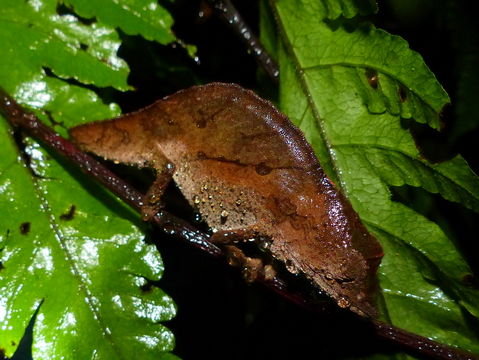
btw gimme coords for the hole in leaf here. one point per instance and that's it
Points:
(53, 121)
(148, 286)
(25, 228)
(63, 10)
(69, 214)
(372, 77)
(402, 93)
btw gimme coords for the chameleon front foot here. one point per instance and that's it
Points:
(152, 202)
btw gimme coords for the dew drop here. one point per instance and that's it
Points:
(224, 216)
(343, 302)
(264, 243)
(197, 217)
(201, 124)
(291, 267)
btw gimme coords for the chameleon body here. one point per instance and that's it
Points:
(250, 173)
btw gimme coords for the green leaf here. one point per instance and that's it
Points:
(89, 270)
(332, 9)
(135, 17)
(36, 38)
(348, 85)
(67, 244)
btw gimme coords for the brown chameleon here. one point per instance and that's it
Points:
(251, 174)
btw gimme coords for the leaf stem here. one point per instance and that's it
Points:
(228, 13)
(182, 230)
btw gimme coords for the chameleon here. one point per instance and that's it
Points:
(251, 174)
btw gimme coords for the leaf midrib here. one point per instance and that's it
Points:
(59, 236)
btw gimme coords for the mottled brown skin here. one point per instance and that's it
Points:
(250, 173)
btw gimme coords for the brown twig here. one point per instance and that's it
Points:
(182, 230)
(233, 18)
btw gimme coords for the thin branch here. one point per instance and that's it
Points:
(182, 230)
(233, 18)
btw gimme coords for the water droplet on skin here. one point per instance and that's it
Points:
(224, 216)
(328, 276)
(264, 243)
(238, 202)
(197, 217)
(196, 199)
(201, 124)
(262, 169)
(343, 302)
(291, 267)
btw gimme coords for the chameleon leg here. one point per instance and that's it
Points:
(252, 268)
(152, 203)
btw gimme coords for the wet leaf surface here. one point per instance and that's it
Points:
(66, 243)
(349, 99)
